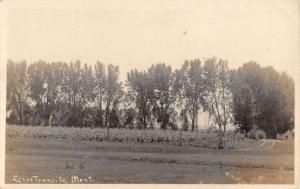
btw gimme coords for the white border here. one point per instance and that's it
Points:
(81, 4)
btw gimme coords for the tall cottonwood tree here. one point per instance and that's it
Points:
(161, 79)
(277, 103)
(246, 87)
(190, 86)
(17, 90)
(287, 102)
(140, 92)
(99, 91)
(53, 80)
(36, 83)
(113, 93)
(76, 92)
(87, 96)
(219, 97)
(43, 81)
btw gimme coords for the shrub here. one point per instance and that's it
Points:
(257, 134)
(260, 134)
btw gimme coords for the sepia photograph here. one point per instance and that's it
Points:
(149, 92)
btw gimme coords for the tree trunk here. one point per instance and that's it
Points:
(106, 122)
(180, 137)
(193, 122)
(194, 117)
(221, 139)
(144, 121)
(100, 112)
(196, 121)
(20, 118)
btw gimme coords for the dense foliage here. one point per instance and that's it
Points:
(81, 95)
(263, 98)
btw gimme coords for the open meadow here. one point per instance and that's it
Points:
(83, 155)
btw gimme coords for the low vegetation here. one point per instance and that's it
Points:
(148, 136)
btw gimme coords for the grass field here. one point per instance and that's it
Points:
(33, 156)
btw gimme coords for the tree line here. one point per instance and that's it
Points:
(82, 95)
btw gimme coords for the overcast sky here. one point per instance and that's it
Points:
(136, 34)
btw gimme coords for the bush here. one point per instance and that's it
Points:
(260, 134)
(257, 134)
